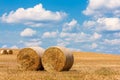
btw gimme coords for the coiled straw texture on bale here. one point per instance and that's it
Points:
(30, 58)
(57, 59)
(3, 52)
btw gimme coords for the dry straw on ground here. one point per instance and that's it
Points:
(30, 58)
(3, 52)
(57, 59)
(9, 51)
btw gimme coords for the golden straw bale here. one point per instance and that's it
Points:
(9, 51)
(57, 59)
(3, 52)
(30, 58)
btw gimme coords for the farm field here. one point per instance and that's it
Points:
(87, 66)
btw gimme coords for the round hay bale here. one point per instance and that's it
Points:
(3, 52)
(30, 58)
(9, 51)
(57, 59)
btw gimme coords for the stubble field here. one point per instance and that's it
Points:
(87, 66)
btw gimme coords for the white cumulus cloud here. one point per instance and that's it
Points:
(110, 24)
(61, 42)
(101, 24)
(74, 49)
(102, 7)
(28, 32)
(94, 45)
(76, 37)
(50, 34)
(89, 24)
(69, 26)
(96, 36)
(35, 16)
(80, 37)
(112, 42)
(32, 42)
(14, 47)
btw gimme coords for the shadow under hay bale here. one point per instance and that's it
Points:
(30, 58)
(57, 59)
(9, 51)
(2, 52)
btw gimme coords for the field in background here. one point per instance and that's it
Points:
(87, 66)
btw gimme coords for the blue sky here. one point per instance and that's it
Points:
(81, 25)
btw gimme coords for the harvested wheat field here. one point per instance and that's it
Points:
(87, 66)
